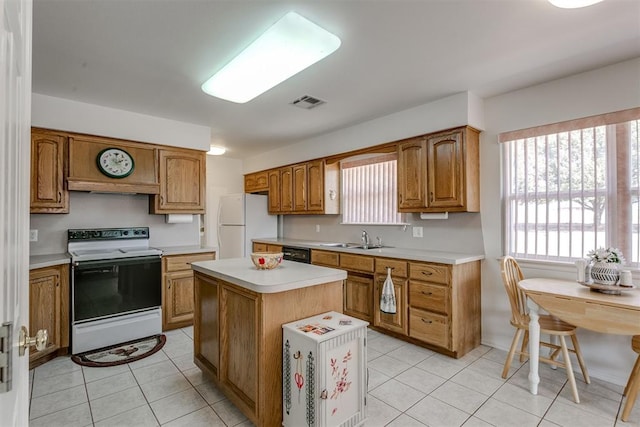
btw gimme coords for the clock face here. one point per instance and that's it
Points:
(115, 163)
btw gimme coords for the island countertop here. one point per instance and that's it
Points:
(287, 276)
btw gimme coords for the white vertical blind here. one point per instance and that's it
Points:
(572, 191)
(369, 192)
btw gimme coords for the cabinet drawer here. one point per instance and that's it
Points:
(429, 297)
(435, 273)
(357, 262)
(399, 267)
(259, 247)
(331, 259)
(429, 327)
(183, 262)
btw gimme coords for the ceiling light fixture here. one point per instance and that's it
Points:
(286, 48)
(216, 151)
(573, 4)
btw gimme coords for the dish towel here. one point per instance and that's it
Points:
(388, 297)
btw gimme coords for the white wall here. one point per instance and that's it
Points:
(63, 114)
(608, 89)
(91, 210)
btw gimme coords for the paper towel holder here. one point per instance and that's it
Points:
(178, 218)
(434, 215)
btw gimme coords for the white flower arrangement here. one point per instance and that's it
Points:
(612, 255)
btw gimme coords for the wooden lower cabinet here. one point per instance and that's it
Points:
(358, 292)
(177, 289)
(266, 247)
(238, 339)
(396, 322)
(444, 306)
(49, 309)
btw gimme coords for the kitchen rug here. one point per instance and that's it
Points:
(121, 353)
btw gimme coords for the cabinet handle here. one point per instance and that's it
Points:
(59, 196)
(426, 321)
(431, 196)
(427, 293)
(169, 284)
(392, 268)
(427, 273)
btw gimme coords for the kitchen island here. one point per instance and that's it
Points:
(239, 313)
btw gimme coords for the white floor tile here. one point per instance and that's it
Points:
(177, 405)
(141, 416)
(408, 386)
(57, 401)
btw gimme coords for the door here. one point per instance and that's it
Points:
(15, 122)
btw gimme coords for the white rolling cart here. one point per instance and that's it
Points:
(324, 371)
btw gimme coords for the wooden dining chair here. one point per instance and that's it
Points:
(550, 325)
(633, 385)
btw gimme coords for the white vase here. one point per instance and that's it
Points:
(605, 273)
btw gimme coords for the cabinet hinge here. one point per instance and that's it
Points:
(5, 357)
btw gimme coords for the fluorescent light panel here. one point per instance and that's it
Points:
(286, 48)
(573, 4)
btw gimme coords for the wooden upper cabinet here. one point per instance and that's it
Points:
(440, 173)
(300, 188)
(257, 182)
(48, 192)
(274, 191)
(182, 182)
(84, 174)
(305, 188)
(412, 162)
(286, 189)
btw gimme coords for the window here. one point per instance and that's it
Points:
(369, 190)
(572, 187)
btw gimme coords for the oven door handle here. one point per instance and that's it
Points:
(85, 265)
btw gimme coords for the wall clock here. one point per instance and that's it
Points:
(115, 162)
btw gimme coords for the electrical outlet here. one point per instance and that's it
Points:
(33, 235)
(317, 228)
(417, 231)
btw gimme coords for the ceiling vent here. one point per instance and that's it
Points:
(308, 102)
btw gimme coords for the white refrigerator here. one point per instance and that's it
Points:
(242, 217)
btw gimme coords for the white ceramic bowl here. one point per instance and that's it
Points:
(266, 260)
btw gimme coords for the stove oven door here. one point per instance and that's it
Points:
(102, 289)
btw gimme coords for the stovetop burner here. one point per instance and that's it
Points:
(109, 243)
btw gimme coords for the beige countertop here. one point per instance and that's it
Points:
(41, 261)
(287, 276)
(192, 249)
(387, 252)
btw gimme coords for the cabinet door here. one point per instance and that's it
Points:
(256, 182)
(182, 182)
(358, 296)
(394, 322)
(300, 188)
(275, 193)
(445, 170)
(48, 192)
(178, 305)
(239, 357)
(315, 188)
(49, 308)
(206, 324)
(286, 189)
(412, 174)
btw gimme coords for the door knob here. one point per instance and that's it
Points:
(25, 341)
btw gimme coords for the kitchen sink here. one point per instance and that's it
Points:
(353, 246)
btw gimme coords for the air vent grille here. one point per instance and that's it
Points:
(307, 102)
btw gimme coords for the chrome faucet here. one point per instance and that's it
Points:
(379, 241)
(365, 239)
